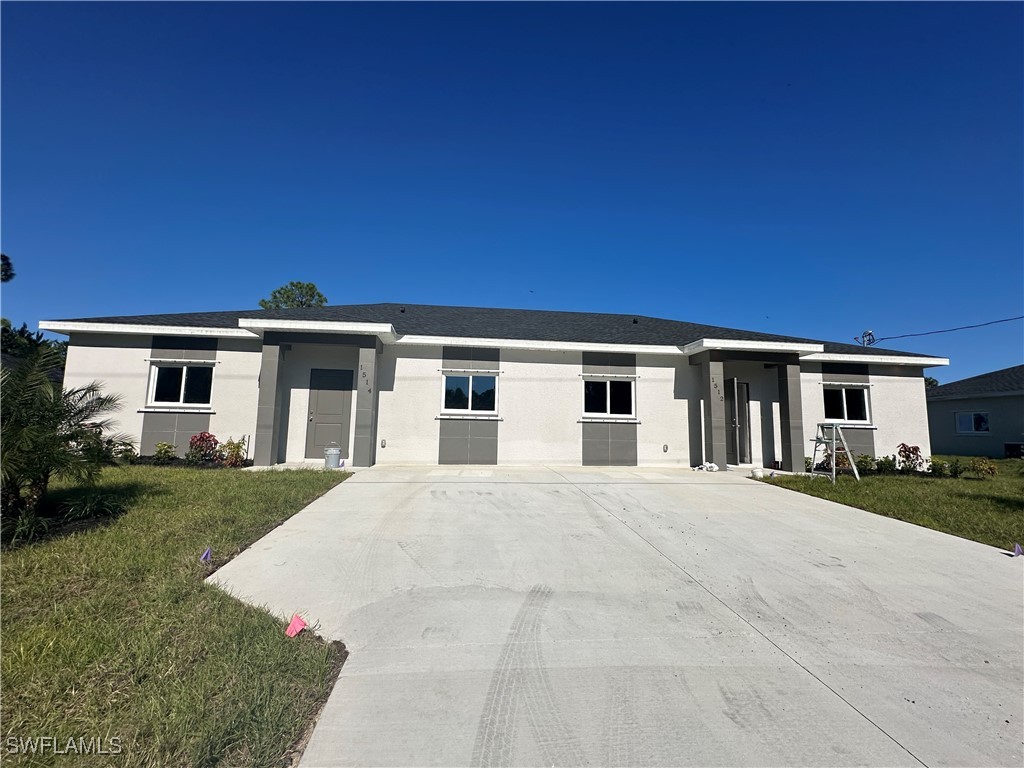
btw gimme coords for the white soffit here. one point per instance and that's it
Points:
(733, 345)
(58, 326)
(836, 357)
(385, 331)
(553, 346)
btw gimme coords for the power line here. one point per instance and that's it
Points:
(869, 338)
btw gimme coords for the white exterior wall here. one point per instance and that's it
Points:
(235, 391)
(297, 363)
(409, 400)
(664, 388)
(897, 407)
(899, 410)
(118, 362)
(813, 406)
(540, 401)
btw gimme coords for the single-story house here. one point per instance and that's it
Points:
(415, 384)
(979, 416)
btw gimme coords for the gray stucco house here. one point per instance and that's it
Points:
(979, 416)
(416, 384)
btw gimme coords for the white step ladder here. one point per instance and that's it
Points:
(832, 443)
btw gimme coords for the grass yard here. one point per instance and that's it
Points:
(111, 632)
(990, 511)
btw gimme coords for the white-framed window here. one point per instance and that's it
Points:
(609, 397)
(972, 422)
(846, 403)
(466, 392)
(181, 384)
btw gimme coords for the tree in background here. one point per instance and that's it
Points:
(293, 296)
(930, 381)
(48, 431)
(6, 269)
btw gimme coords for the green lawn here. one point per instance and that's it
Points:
(990, 511)
(111, 632)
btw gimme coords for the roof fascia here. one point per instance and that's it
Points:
(138, 329)
(413, 340)
(732, 345)
(384, 331)
(837, 357)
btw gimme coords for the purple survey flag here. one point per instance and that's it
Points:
(1017, 551)
(207, 554)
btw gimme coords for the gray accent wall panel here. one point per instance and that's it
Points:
(606, 444)
(364, 451)
(471, 358)
(174, 428)
(791, 422)
(713, 393)
(468, 441)
(596, 363)
(184, 348)
(268, 409)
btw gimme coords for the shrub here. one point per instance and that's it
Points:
(164, 453)
(886, 465)
(96, 504)
(956, 468)
(233, 452)
(939, 468)
(864, 463)
(47, 431)
(120, 451)
(982, 467)
(202, 447)
(807, 464)
(910, 458)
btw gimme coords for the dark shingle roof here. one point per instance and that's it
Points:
(486, 323)
(1007, 381)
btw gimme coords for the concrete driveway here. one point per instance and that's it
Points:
(551, 616)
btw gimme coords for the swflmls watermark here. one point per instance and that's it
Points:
(55, 745)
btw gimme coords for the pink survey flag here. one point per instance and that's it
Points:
(298, 624)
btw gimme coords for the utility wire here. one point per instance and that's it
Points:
(947, 330)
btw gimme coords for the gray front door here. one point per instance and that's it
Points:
(330, 408)
(737, 422)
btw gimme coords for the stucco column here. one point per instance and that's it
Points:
(791, 422)
(268, 409)
(364, 450)
(713, 393)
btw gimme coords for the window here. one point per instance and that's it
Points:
(971, 422)
(608, 398)
(470, 393)
(182, 384)
(846, 403)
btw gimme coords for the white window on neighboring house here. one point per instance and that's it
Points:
(181, 384)
(470, 392)
(609, 397)
(846, 403)
(971, 422)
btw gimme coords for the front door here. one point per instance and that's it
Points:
(330, 408)
(737, 422)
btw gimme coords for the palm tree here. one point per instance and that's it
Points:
(47, 431)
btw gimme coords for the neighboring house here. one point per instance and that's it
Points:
(414, 384)
(979, 416)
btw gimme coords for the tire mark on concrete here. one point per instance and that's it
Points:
(558, 744)
(496, 731)
(521, 682)
(620, 720)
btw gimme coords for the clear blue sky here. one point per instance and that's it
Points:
(804, 169)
